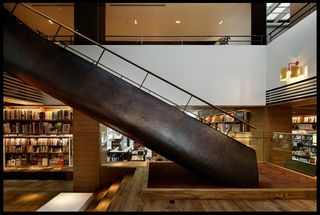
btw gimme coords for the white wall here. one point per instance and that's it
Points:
(222, 75)
(297, 43)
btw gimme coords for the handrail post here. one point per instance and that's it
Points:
(185, 107)
(54, 37)
(13, 9)
(143, 80)
(100, 57)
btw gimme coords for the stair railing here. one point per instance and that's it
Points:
(140, 85)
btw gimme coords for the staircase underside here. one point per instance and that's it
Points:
(125, 108)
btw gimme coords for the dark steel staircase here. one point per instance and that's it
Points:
(126, 108)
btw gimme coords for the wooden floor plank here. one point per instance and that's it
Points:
(120, 198)
(139, 181)
(29, 195)
(97, 197)
(107, 199)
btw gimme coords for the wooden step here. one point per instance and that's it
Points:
(123, 193)
(129, 198)
(97, 198)
(105, 196)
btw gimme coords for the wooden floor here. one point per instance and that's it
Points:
(29, 195)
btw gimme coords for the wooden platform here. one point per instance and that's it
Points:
(167, 180)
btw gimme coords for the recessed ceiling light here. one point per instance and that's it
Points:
(269, 4)
(135, 22)
(284, 5)
(272, 16)
(278, 10)
(50, 21)
(178, 21)
(220, 22)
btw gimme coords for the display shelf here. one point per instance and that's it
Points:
(224, 122)
(37, 135)
(38, 120)
(304, 148)
(304, 138)
(304, 123)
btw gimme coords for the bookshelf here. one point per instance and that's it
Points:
(37, 136)
(226, 123)
(304, 148)
(304, 122)
(304, 139)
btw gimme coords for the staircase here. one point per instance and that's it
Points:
(128, 108)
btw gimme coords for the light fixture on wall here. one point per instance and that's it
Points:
(283, 74)
(292, 71)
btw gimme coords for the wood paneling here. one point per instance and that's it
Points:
(279, 119)
(168, 180)
(86, 153)
(129, 197)
(245, 194)
(229, 205)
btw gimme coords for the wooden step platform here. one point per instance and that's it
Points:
(130, 194)
(167, 180)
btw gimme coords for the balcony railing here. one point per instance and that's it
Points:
(167, 40)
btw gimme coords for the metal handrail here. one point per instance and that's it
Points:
(285, 27)
(132, 63)
(183, 35)
(159, 38)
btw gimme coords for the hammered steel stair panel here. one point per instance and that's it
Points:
(125, 108)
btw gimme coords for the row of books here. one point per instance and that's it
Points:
(227, 118)
(36, 128)
(39, 149)
(224, 128)
(20, 114)
(37, 141)
(37, 159)
(304, 119)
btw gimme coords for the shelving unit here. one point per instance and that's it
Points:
(304, 139)
(117, 147)
(225, 123)
(304, 122)
(304, 148)
(37, 136)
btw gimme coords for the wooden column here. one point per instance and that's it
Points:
(258, 119)
(86, 153)
(258, 23)
(279, 119)
(89, 20)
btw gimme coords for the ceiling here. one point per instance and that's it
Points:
(278, 13)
